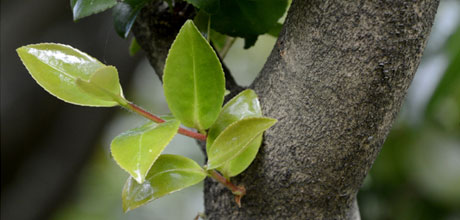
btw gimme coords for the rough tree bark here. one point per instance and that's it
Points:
(335, 81)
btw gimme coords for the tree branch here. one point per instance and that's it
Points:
(335, 81)
(156, 28)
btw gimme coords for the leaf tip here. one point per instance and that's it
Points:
(189, 22)
(127, 206)
(22, 50)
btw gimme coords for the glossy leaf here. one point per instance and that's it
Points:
(124, 15)
(193, 79)
(84, 8)
(243, 105)
(103, 84)
(136, 150)
(235, 139)
(247, 19)
(169, 174)
(57, 67)
(210, 6)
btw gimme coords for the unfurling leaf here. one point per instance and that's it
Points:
(234, 139)
(193, 79)
(58, 67)
(136, 150)
(84, 8)
(169, 174)
(243, 105)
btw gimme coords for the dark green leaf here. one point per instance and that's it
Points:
(210, 6)
(84, 8)
(193, 79)
(124, 15)
(136, 150)
(275, 30)
(169, 174)
(247, 19)
(249, 41)
(201, 21)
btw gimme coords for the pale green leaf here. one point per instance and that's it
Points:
(193, 79)
(84, 8)
(136, 150)
(235, 139)
(56, 68)
(169, 174)
(103, 84)
(243, 105)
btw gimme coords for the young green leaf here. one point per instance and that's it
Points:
(103, 84)
(193, 79)
(84, 8)
(247, 19)
(57, 67)
(169, 174)
(136, 150)
(235, 139)
(210, 6)
(243, 105)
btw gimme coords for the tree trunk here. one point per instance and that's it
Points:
(335, 81)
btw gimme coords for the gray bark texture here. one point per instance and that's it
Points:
(335, 81)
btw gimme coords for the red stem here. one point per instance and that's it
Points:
(235, 189)
(238, 191)
(156, 119)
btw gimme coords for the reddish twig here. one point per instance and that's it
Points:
(238, 191)
(157, 119)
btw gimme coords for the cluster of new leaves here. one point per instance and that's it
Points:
(194, 87)
(235, 18)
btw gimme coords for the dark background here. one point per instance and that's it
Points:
(44, 141)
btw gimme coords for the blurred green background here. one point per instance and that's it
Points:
(416, 176)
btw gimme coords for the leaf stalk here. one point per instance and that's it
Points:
(133, 107)
(238, 191)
